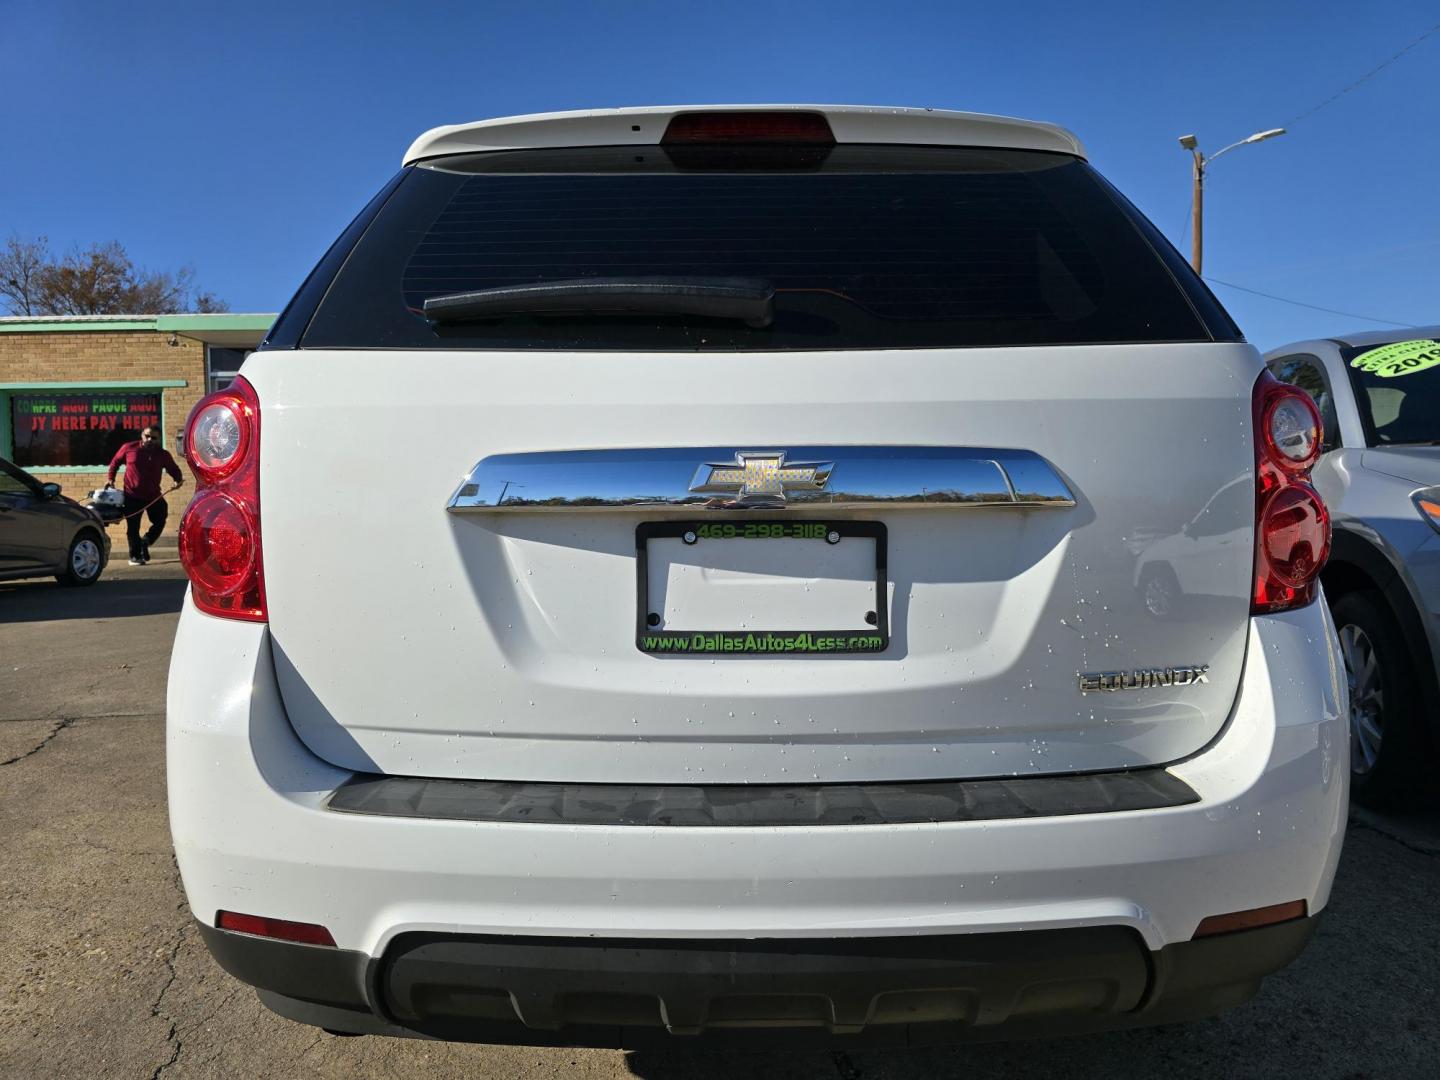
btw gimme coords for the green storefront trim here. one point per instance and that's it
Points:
(89, 384)
(76, 327)
(175, 324)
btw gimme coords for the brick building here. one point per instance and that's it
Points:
(73, 389)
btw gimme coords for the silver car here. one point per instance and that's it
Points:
(1379, 398)
(44, 534)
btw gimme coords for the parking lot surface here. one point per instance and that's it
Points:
(101, 974)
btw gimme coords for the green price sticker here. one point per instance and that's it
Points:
(1400, 358)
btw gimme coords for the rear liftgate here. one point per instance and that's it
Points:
(699, 580)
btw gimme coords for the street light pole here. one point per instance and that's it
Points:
(1197, 210)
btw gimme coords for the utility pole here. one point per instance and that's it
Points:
(1197, 210)
(1197, 206)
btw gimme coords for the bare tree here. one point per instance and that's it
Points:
(21, 262)
(100, 280)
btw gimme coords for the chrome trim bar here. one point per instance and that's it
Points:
(765, 478)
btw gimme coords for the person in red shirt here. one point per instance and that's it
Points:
(144, 460)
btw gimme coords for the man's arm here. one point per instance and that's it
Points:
(115, 463)
(173, 469)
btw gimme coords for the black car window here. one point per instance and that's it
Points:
(15, 482)
(865, 246)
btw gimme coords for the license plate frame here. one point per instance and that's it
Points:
(742, 643)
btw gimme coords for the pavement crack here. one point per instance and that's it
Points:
(155, 1011)
(224, 1003)
(61, 726)
(81, 716)
(174, 1057)
(1408, 845)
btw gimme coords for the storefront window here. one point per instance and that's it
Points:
(77, 428)
(222, 365)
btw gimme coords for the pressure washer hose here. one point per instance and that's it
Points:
(152, 502)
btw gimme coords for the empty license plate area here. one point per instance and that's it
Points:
(748, 588)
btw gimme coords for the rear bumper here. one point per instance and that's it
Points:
(252, 834)
(890, 991)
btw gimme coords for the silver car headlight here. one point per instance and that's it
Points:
(1427, 502)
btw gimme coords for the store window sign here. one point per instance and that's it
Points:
(77, 428)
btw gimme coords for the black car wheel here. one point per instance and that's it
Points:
(1386, 740)
(84, 561)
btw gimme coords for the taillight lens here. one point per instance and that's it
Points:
(218, 542)
(1295, 535)
(220, 533)
(218, 436)
(1292, 525)
(1291, 429)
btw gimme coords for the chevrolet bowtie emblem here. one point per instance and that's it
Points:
(760, 478)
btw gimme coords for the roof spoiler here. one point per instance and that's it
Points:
(647, 127)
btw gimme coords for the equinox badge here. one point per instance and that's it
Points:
(1144, 679)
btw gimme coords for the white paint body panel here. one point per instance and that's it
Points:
(412, 641)
(645, 126)
(250, 833)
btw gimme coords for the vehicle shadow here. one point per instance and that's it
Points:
(108, 598)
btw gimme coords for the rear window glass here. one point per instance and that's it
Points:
(1397, 390)
(865, 247)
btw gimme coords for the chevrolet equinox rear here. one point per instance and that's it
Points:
(687, 575)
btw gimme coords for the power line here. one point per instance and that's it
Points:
(1363, 78)
(1312, 307)
(1290, 124)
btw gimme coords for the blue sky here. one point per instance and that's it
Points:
(240, 138)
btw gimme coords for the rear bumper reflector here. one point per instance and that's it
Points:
(1249, 920)
(279, 929)
(693, 806)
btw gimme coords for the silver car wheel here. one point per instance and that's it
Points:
(1367, 699)
(85, 559)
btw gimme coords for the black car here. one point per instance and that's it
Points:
(43, 533)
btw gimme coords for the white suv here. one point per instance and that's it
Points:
(670, 575)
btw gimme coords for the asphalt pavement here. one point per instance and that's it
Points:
(101, 974)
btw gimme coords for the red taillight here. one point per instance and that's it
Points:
(1294, 535)
(283, 929)
(1292, 525)
(748, 127)
(219, 435)
(220, 533)
(219, 546)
